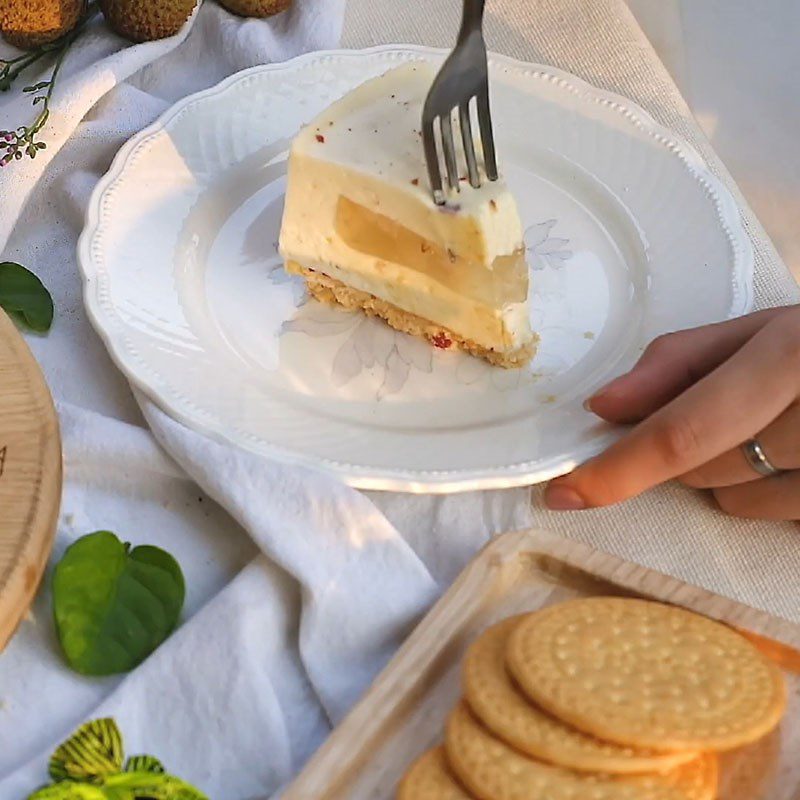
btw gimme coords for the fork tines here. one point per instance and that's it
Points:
(440, 106)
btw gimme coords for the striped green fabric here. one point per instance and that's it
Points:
(88, 766)
(92, 752)
(123, 786)
(67, 790)
(144, 764)
(134, 785)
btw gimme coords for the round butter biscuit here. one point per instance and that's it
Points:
(491, 770)
(428, 778)
(646, 674)
(509, 715)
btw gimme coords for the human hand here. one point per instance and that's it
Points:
(697, 396)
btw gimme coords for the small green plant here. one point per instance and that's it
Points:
(23, 141)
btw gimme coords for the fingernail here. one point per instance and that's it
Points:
(562, 498)
(601, 392)
(589, 401)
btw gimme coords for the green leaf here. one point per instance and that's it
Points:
(133, 785)
(25, 298)
(92, 752)
(114, 607)
(144, 764)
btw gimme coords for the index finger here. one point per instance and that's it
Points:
(722, 410)
(671, 364)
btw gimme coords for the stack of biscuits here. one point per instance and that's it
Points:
(601, 698)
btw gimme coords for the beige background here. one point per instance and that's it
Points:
(736, 62)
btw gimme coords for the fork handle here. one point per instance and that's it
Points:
(472, 19)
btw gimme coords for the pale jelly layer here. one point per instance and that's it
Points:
(487, 306)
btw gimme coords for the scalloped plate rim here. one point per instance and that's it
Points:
(416, 481)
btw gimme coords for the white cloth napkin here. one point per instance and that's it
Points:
(242, 693)
(100, 60)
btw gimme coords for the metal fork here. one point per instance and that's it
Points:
(464, 75)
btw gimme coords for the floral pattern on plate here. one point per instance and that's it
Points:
(371, 345)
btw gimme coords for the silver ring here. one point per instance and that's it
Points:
(757, 459)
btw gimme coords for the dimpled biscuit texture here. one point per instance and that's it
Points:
(508, 714)
(646, 674)
(491, 770)
(430, 779)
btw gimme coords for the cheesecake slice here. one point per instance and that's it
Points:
(361, 227)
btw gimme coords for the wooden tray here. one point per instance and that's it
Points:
(30, 477)
(403, 712)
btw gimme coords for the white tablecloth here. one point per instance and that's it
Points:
(299, 589)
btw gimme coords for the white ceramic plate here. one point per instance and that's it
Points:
(629, 236)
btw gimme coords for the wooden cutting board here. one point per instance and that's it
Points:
(30, 477)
